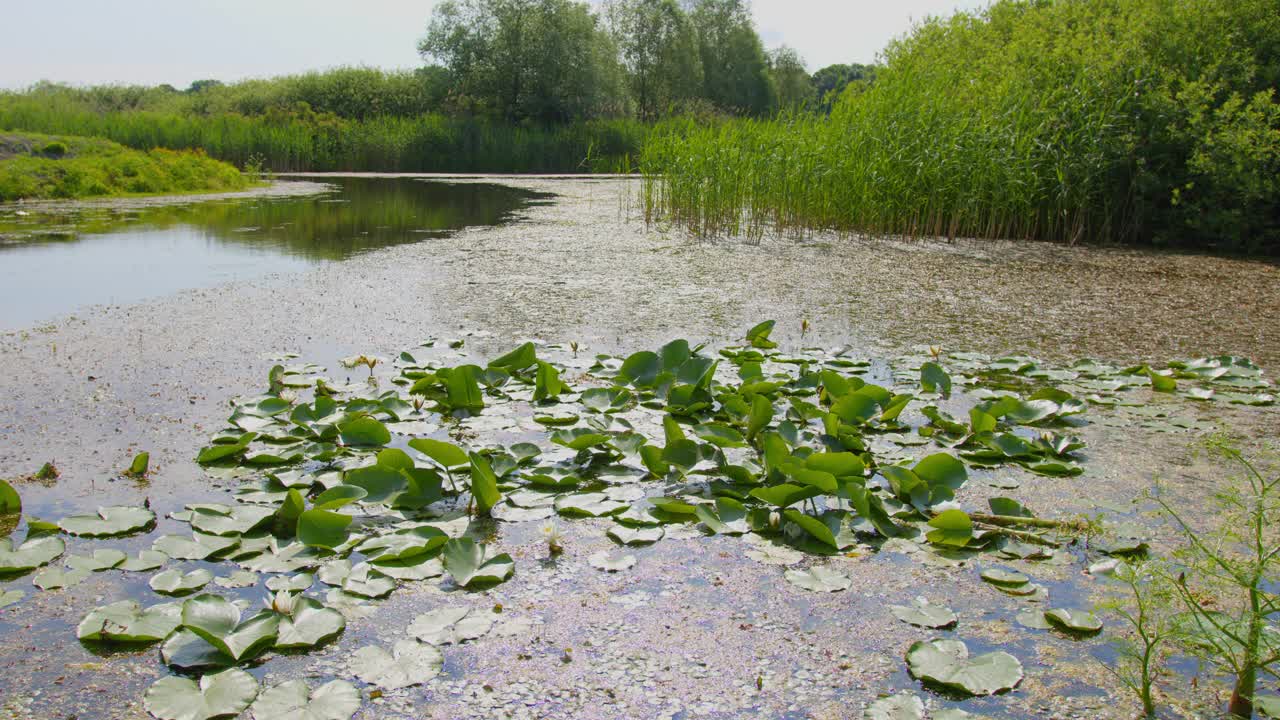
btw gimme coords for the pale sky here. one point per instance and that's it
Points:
(87, 42)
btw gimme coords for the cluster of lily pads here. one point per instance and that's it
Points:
(368, 485)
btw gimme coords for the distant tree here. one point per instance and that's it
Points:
(202, 85)
(545, 60)
(832, 80)
(794, 86)
(734, 66)
(660, 53)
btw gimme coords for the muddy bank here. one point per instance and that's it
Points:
(700, 630)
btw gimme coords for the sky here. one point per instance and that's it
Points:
(85, 42)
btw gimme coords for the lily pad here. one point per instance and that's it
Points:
(127, 622)
(470, 564)
(946, 664)
(1004, 578)
(1076, 622)
(452, 625)
(217, 621)
(308, 623)
(409, 663)
(176, 583)
(293, 700)
(588, 505)
(110, 521)
(903, 706)
(924, 614)
(55, 578)
(603, 561)
(9, 597)
(29, 555)
(819, 579)
(637, 535)
(218, 695)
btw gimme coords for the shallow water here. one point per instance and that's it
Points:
(692, 629)
(53, 263)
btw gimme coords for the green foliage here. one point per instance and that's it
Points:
(1238, 565)
(1016, 122)
(97, 167)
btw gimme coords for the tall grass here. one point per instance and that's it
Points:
(1070, 120)
(40, 166)
(307, 141)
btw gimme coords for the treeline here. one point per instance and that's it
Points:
(1147, 121)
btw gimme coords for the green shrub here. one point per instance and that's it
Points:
(1149, 121)
(55, 149)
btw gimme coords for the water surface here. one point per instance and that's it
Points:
(53, 263)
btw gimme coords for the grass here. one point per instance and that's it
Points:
(1016, 122)
(40, 166)
(309, 141)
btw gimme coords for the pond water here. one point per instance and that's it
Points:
(53, 263)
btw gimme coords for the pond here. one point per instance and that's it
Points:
(53, 263)
(705, 615)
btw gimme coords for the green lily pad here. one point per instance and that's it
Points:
(452, 625)
(819, 579)
(308, 623)
(924, 614)
(9, 597)
(293, 700)
(470, 564)
(1005, 578)
(588, 505)
(366, 581)
(902, 706)
(409, 663)
(102, 559)
(602, 560)
(55, 578)
(1076, 622)
(110, 521)
(228, 519)
(636, 536)
(946, 663)
(771, 553)
(197, 547)
(218, 695)
(217, 621)
(176, 583)
(30, 555)
(127, 622)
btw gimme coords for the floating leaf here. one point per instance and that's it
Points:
(409, 663)
(9, 597)
(364, 432)
(903, 706)
(102, 559)
(603, 561)
(308, 624)
(293, 700)
(110, 521)
(218, 695)
(470, 564)
(33, 553)
(924, 614)
(636, 536)
(1077, 622)
(729, 517)
(323, 528)
(946, 663)
(217, 621)
(127, 622)
(771, 553)
(454, 625)
(952, 527)
(819, 579)
(174, 582)
(10, 503)
(1006, 578)
(199, 546)
(589, 505)
(53, 578)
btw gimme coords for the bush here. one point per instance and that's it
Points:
(55, 149)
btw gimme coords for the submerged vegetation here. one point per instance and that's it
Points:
(40, 166)
(808, 458)
(1152, 121)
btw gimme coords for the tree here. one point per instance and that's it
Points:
(832, 80)
(660, 52)
(794, 86)
(734, 66)
(545, 60)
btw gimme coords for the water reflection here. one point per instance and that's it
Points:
(54, 263)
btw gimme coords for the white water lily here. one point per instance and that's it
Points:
(551, 532)
(281, 601)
